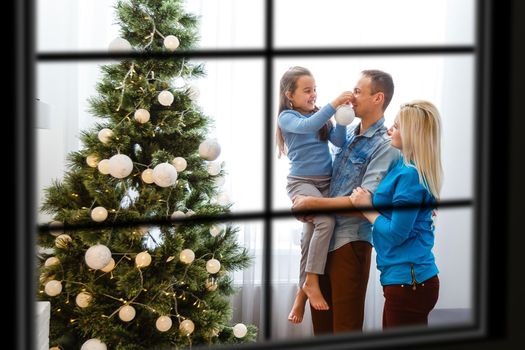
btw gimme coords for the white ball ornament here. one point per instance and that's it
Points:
(171, 42)
(163, 323)
(120, 166)
(177, 215)
(165, 98)
(97, 256)
(147, 176)
(178, 82)
(94, 344)
(215, 230)
(103, 166)
(223, 198)
(213, 266)
(99, 214)
(92, 160)
(127, 313)
(344, 115)
(193, 92)
(143, 259)
(164, 175)
(56, 228)
(187, 256)
(83, 299)
(219, 181)
(240, 330)
(187, 327)
(179, 163)
(214, 168)
(51, 261)
(119, 45)
(53, 288)
(109, 267)
(104, 135)
(209, 149)
(141, 115)
(62, 241)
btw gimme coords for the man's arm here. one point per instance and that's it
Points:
(306, 203)
(382, 160)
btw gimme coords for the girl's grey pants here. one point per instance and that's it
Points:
(316, 235)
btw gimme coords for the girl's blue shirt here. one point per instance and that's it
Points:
(404, 238)
(308, 155)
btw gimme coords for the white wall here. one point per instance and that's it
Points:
(54, 143)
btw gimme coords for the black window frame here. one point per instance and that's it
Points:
(489, 103)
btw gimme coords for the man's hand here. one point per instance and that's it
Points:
(301, 203)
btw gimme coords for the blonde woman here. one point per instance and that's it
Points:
(403, 233)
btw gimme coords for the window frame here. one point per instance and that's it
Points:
(482, 203)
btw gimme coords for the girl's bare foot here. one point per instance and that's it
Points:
(313, 292)
(297, 312)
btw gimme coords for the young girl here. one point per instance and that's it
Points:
(404, 237)
(302, 134)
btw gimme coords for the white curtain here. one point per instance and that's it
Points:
(247, 303)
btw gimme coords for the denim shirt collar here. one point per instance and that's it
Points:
(372, 129)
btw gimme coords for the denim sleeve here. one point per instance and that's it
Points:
(382, 160)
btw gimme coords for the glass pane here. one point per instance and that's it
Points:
(65, 115)
(447, 81)
(352, 23)
(454, 257)
(91, 25)
(172, 286)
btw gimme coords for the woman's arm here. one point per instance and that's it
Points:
(363, 199)
(398, 228)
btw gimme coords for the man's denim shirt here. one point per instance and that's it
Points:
(362, 161)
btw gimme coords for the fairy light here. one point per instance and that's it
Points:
(123, 86)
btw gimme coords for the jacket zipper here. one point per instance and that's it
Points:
(414, 282)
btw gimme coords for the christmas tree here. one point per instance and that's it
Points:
(113, 280)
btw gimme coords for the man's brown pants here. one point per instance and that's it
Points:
(344, 288)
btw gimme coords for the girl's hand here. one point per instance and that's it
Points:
(345, 98)
(361, 197)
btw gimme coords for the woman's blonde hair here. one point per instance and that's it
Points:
(420, 129)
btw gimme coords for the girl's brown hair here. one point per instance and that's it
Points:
(289, 84)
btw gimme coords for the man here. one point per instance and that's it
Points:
(363, 161)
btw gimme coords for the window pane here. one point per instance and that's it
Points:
(90, 25)
(454, 256)
(63, 113)
(447, 81)
(349, 23)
